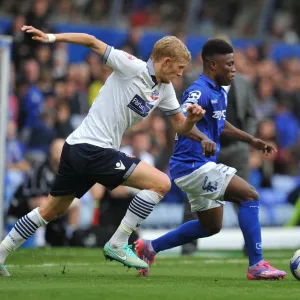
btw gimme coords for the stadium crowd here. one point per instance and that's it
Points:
(49, 97)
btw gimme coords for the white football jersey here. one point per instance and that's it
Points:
(128, 96)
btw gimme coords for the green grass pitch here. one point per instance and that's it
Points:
(71, 273)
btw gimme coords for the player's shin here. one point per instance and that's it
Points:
(22, 230)
(139, 209)
(186, 233)
(249, 223)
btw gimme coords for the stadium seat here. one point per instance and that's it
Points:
(5, 22)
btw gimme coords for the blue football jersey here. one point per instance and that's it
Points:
(187, 156)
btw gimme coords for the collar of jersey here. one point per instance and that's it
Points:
(151, 71)
(209, 81)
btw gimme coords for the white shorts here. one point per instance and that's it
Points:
(205, 187)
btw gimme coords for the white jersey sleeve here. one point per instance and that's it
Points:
(125, 64)
(169, 103)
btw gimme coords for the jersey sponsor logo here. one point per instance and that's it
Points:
(214, 101)
(120, 166)
(155, 95)
(209, 186)
(193, 96)
(140, 106)
(219, 114)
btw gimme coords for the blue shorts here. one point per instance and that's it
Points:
(83, 165)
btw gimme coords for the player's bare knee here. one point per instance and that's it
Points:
(251, 194)
(50, 211)
(212, 230)
(162, 186)
(47, 213)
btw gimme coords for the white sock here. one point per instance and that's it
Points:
(3, 254)
(22, 230)
(40, 240)
(139, 209)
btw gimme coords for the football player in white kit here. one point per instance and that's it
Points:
(91, 153)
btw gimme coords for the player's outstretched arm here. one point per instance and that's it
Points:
(83, 39)
(234, 133)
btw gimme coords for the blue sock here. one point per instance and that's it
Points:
(250, 226)
(184, 234)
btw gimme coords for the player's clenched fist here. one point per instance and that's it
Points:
(209, 147)
(195, 113)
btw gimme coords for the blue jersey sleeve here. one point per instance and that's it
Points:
(194, 95)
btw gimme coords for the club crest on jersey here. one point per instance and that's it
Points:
(140, 106)
(193, 96)
(155, 95)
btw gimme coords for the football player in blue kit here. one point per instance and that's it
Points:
(206, 183)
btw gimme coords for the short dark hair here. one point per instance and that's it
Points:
(215, 47)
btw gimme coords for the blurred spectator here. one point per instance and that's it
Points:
(13, 102)
(265, 105)
(139, 147)
(44, 57)
(132, 44)
(266, 130)
(16, 164)
(76, 88)
(282, 27)
(33, 101)
(287, 126)
(98, 10)
(60, 60)
(38, 16)
(99, 73)
(255, 164)
(63, 126)
(20, 49)
(163, 141)
(40, 136)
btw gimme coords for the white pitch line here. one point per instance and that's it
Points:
(163, 263)
(50, 265)
(236, 261)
